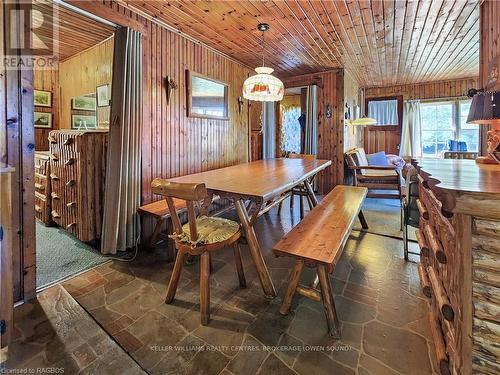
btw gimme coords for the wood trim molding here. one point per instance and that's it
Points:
(108, 13)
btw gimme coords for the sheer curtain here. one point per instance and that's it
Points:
(268, 130)
(311, 128)
(122, 194)
(384, 111)
(411, 137)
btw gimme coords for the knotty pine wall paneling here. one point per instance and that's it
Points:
(353, 135)
(47, 80)
(490, 40)
(427, 90)
(80, 75)
(489, 50)
(173, 144)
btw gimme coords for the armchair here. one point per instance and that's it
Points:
(374, 177)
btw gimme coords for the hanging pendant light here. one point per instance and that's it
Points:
(263, 87)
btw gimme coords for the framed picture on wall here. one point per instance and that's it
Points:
(206, 97)
(42, 98)
(43, 120)
(84, 102)
(84, 122)
(103, 95)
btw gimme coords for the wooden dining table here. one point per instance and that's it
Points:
(254, 188)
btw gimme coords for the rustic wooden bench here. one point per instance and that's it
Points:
(318, 241)
(160, 213)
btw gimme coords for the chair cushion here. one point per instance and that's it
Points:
(210, 230)
(379, 173)
(378, 158)
(361, 156)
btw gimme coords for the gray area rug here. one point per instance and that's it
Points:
(60, 255)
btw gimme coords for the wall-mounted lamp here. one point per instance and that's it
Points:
(240, 104)
(170, 85)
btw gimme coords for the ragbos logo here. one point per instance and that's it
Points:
(31, 38)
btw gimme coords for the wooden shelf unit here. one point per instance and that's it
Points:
(78, 170)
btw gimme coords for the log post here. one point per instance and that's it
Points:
(440, 295)
(434, 245)
(424, 249)
(424, 281)
(437, 336)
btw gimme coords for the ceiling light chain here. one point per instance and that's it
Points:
(263, 87)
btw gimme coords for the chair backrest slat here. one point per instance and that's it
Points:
(191, 193)
(192, 220)
(188, 192)
(176, 222)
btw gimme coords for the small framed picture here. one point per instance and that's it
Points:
(43, 120)
(103, 95)
(83, 122)
(42, 98)
(84, 102)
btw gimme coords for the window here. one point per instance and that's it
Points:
(445, 121)
(384, 111)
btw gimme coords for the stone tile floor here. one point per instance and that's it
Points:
(56, 335)
(383, 314)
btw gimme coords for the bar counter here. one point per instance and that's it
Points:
(460, 272)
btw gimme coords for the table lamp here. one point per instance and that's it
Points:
(485, 110)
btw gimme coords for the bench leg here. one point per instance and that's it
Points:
(362, 219)
(154, 237)
(301, 207)
(292, 287)
(205, 288)
(239, 265)
(328, 303)
(174, 278)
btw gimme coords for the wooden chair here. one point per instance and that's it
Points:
(387, 177)
(201, 235)
(299, 190)
(470, 155)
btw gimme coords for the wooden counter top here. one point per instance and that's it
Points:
(461, 200)
(462, 175)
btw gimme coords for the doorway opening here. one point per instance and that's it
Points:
(72, 106)
(297, 122)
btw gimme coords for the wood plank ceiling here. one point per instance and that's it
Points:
(379, 42)
(74, 32)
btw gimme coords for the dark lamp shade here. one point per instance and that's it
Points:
(485, 108)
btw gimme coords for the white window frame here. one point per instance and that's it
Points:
(456, 114)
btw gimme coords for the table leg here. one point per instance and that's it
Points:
(255, 249)
(310, 192)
